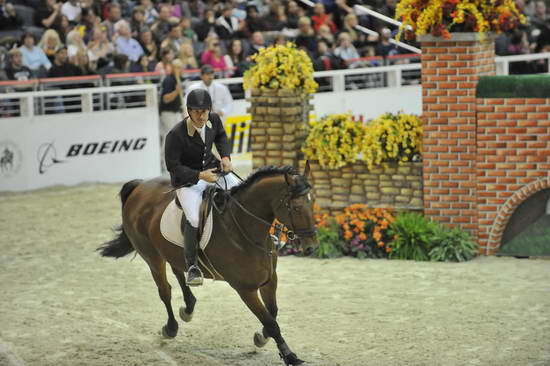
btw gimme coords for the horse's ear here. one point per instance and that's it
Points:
(307, 170)
(289, 180)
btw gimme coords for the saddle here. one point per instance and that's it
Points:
(212, 197)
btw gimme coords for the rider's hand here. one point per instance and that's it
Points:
(227, 166)
(209, 175)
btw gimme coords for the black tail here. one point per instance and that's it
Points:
(120, 245)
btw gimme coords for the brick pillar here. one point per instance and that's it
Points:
(450, 70)
(278, 127)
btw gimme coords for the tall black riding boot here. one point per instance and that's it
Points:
(190, 242)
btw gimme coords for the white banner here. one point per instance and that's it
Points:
(109, 146)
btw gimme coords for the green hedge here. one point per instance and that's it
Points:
(514, 86)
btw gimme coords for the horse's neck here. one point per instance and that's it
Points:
(258, 199)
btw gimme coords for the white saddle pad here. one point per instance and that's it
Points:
(170, 226)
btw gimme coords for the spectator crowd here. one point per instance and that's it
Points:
(50, 38)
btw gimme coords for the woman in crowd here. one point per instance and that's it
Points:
(164, 66)
(187, 56)
(213, 55)
(137, 24)
(347, 51)
(235, 58)
(50, 43)
(100, 50)
(75, 43)
(148, 44)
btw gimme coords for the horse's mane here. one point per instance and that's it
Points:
(263, 172)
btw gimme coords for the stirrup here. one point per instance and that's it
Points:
(194, 280)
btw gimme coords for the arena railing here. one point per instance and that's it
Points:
(503, 62)
(80, 100)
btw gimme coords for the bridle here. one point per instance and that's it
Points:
(287, 200)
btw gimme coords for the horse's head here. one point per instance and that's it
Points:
(296, 211)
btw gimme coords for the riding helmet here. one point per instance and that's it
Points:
(199, 99)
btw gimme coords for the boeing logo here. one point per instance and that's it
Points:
(47, 156)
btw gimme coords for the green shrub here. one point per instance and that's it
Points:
(412, 237)
(451, 245)
(329, 242)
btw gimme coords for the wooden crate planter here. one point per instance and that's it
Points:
(278, 127)
(391, 186)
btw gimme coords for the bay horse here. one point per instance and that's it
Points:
(240, 248)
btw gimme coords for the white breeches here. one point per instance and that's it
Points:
(191, 197)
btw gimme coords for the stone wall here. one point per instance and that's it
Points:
(278, 127)
(391, 186)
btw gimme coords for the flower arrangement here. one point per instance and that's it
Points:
(366, 230)
(281, 67)
(441, 17)
(392, 138)
(337, 140)
(334, 140)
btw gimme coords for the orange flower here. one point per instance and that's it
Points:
(348, 235)
(362, 237)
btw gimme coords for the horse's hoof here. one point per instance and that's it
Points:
(184, 315)
(260, 340)
(167, 333)
(291, 359)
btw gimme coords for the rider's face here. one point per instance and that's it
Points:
(199, 117)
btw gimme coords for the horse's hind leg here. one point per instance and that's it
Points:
(186, 314)
(253, 302)
(268, 293)
(170, 330)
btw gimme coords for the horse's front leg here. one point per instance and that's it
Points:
(268, 293)
(271, 327)
(158, 270)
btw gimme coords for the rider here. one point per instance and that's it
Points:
(192, 167)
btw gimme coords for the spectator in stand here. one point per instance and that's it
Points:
(360, 40)
(324, 33)
(88, 22)
(253, 22)
(82, 61)
(325, 59)
(541, 16)
(113, 18)
(342, 9)
(174, 39)
(519, 45)
(306, 38)
(186, 30)
(175, 8)
(164, 66)
(275, 19)
(50, 43)
(15, 70)
(384, 47)
(151, 14)
(33, 56)
(222, 101)
(148, 45)
(320, 17)
(280, 39)
(257, 43)
(143, 65)
(64, 28)
(9, 19)
(207, 27)
(194, 9)
(75, 43)
(72, 10)
(388, 9)
(138, 21)
(293, 14)
(162, 26)
(227, 24)
(347, 52)
(121, 65)
(48, 15)
(125, 44)
(213, 55)
(171, 106)
(62, 68)
(100, 50)
(235, 59)
(187, 56)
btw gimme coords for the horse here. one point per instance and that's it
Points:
(241, 248)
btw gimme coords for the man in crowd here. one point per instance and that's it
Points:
(15, 70)
(125, 44)
(222, 101)
(9, 19)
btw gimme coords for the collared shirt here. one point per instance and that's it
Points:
(130, 47)
(221, 97)
(34, 58)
